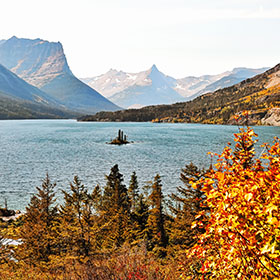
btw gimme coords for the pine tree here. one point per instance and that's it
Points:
(140, 217)
(157, 234)
(76, 221)
(115, 209)
(188, 204)
(38, 234)
(139, 212)
(133, 191)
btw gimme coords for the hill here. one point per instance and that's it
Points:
(259, 95)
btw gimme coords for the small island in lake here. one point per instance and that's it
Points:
(121, 139)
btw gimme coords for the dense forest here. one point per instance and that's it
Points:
(11, 108)
(218, 107)
(222, 223)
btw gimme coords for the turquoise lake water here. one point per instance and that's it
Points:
(64, 148)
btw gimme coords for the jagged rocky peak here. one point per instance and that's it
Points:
(37, 61)
(113, 71)
(154, 73)
(154, 68)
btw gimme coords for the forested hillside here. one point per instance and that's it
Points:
(11, 108)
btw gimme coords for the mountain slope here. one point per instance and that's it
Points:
(259, 95)
(44, 65)
(229, 79)
(13, 86)
(20, 100)
(12, 108)
(189, 86)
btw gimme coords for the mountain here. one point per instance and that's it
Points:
(259, 95)
(191, 85)
(13, 86)
(228, 79)
(131, 90)
(153, 87)
(43, 64)
(18, 99)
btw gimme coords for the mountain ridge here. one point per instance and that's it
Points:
(259, 95)
(118, 85)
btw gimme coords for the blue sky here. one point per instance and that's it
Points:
(182, 37)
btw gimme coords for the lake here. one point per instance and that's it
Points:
(64, 148)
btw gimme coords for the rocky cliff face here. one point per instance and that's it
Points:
(272, 117)
(35, 61)
(44, 65)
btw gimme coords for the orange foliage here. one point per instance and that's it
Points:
(242, 238)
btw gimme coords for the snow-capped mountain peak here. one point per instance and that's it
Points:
(136, 89)
(129, 89)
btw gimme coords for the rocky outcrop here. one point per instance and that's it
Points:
(272, 117)
(9, 215)
(121, 139)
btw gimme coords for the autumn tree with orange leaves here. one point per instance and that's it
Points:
(242, 238)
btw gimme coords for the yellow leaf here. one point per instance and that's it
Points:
(248, 196)
(271, 208)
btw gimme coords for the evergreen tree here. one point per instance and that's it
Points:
(140, 217)
(188, 204)
(115, 209)
(38, 234)
(157, 234)
(139, 212)
(133, 191)
(76, 221)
